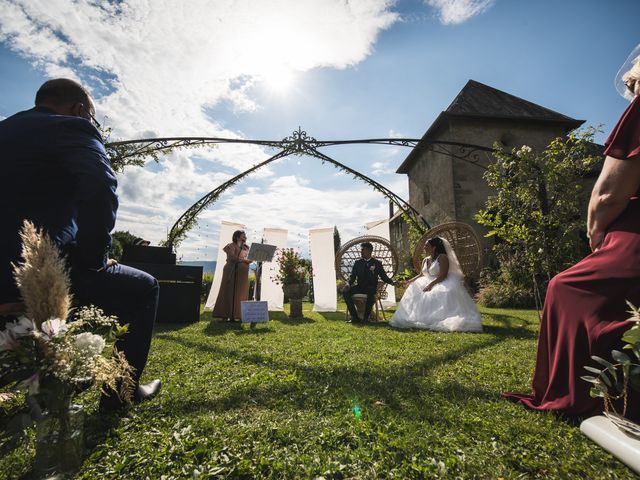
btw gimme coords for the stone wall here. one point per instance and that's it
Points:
(444, 190)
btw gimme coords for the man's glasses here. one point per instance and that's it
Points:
(91, 118)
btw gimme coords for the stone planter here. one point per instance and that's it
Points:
(296, 292)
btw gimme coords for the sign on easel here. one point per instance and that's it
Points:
(254, 311)
(261, 252)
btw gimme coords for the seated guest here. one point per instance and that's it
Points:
(437, 298)
(364, 274)
(585, 311)
(56, 174)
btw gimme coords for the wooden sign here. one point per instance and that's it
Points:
(254, 312)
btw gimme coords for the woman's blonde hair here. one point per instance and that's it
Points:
(634, 73)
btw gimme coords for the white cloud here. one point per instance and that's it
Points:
(157, 68)
(168, 61)
(381, 168)
(452, 12)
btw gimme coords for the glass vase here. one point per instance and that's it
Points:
(59, 443)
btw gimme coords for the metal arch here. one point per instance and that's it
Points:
(188, 218)
(298, 143)
(412, 214)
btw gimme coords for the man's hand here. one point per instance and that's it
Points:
(346, 287)
(428, 287)
(111, 263)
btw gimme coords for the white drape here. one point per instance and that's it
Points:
(324, 270)
(381, 229)
(226, 232)
(271, 291)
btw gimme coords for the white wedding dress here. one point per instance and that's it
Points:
(447, 307)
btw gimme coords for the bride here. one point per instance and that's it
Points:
(437, 299)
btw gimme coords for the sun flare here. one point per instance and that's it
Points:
(280, 80)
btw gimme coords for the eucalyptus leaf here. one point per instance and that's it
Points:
(620, 357)
(632, 336)
(605, 378)
(590, 379)
(602, 361)
(610, 367)
(593, 370)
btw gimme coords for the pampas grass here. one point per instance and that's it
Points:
(42, 277)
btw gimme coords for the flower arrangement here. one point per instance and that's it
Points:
(292, 269)
(48, 352)
(612, 380)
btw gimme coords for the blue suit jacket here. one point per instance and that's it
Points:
(367, 272)
(54, 171)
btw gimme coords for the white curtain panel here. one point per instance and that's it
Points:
(271, 291)
(381, 229)
(226, 232)
(324, 270)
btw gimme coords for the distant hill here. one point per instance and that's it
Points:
(206, 266)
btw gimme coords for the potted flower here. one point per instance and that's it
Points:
(293, 274)
(54, 355)
(611, 381)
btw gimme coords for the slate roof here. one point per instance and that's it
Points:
(477, 100)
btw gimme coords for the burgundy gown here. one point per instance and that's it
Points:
(585, 310)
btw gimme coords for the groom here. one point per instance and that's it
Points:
(366, 271)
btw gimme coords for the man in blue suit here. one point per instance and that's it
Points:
(55, 172)
(364, 280)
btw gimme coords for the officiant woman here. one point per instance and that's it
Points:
(234, 287)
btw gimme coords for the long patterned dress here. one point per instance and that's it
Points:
(227, 305)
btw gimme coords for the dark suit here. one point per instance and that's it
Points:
(55, 172)
(365, 274)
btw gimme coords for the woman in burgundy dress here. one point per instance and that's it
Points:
(585, 308)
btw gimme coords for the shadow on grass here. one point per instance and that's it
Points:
(220, 327)
(340, 316)
(170, 327)
(510, 332)
(402, 386)
(510, 320)
(282, 317)
(400, 400)
(216, 327)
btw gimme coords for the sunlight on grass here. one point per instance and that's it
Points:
(318, 397)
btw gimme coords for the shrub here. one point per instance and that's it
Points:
(498, 289)
(207, 281)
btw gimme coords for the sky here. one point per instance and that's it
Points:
(339, 69)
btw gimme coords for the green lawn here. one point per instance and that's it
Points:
(321, 398)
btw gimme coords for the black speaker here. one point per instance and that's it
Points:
(147, 254)
(180, 287)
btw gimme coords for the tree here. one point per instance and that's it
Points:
(119, 240)
(535, 212)
(337, 243)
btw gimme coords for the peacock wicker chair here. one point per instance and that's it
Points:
(465, 243)
(382, 250)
